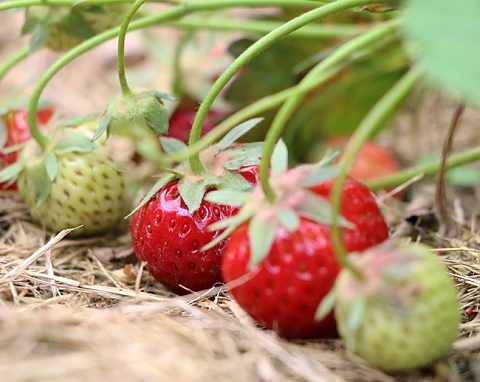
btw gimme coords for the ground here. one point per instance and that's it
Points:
(76, 310)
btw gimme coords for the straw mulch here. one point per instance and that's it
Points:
(85, 310)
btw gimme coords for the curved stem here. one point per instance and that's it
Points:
(254, 50)
(376, 115)
(13, 4)
(13, 60)
(121, 46)
(89, 44)
(264, 27)
(320, 73)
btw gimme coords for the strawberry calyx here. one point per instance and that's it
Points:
(220, 161)
(293, 201)
(136, 114)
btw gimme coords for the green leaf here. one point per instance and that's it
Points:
(236, 133)
(172, 145)
(166, 96)
(51, 165)
(192, 192)
(289, 219)
(318, 174)
(463, 176)
(75, 142)
(101, 129)
(11, 172)
(227, 197)
(326, 306)
(156, 187)
(262, 235)
(279, 162)
(447, 37)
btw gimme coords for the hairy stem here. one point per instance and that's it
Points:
(121, 46)
(369, 124)
(254, 50)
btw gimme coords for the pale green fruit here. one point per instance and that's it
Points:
(404, 314)
(89, 189)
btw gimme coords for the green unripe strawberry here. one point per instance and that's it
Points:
(62, 28)
(88, 189)
(404, 314)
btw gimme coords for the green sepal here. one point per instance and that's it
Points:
(279, 160)
(39, 35)
(102, 128)
(354, 320)
(11, 172)
(326, 306)
(172, 145)
(227, 197)
(318, 174)
(234, 181)
(192, 192)
(165, 96)
(41, 183)
(247, 155)
(75, 142)
(236, 133)
(262, 235)
(156, 187)
(51, 165)
(31, 22)
(229, 225)
(289, 219)
(319, 210)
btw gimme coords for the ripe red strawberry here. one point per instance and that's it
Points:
(373, 161)
(181, 121)
(16, 132)
(280, 262)
(168, 237)
(169, 229)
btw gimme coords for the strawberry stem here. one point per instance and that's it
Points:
(254, 50)
(367, 127)
(121, 46)
(13, 60)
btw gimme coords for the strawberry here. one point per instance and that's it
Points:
(373, 161)
(73, 182)
(404, 313)
(14, 129)
(62, 28)
(280, 262)
(170, 225)
(181, 121)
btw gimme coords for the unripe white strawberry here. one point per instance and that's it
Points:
(88, 189)
(404, 314)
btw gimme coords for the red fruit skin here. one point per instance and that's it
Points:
(283, 291)
(169, 238)
(181, 122)
(18, 132)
